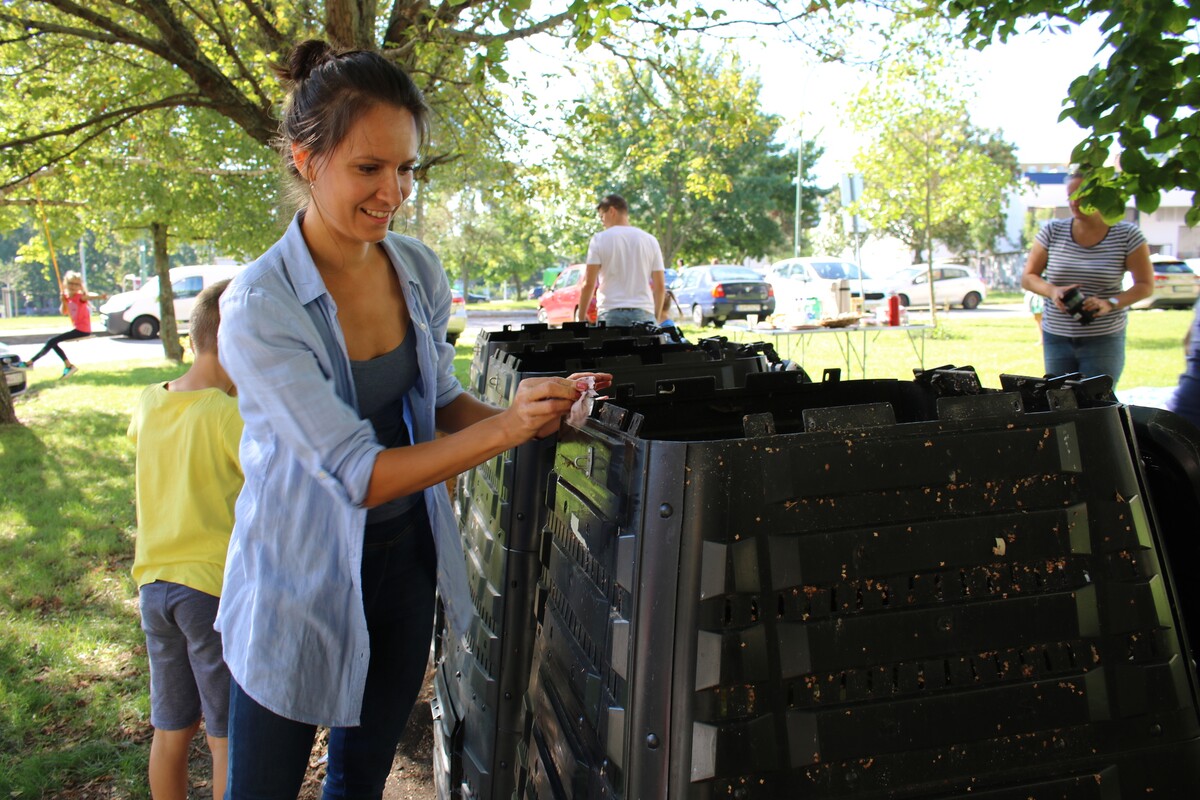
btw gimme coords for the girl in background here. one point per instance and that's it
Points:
(76, 304)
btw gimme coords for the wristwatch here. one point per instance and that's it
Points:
(1112, 301)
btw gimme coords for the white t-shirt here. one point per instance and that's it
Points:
(626, 255)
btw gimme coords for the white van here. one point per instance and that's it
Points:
(135, 314)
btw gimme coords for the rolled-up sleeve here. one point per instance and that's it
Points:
(286, 391)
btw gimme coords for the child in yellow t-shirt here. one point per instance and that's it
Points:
(187, 433)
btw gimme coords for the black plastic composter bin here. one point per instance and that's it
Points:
(859, 589)
(478, 695)
(543, 337)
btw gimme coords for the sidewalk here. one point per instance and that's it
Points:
(39, 330)
(36, 335)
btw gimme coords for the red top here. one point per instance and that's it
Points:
(80, 312)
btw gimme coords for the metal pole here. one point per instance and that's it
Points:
(796, 240)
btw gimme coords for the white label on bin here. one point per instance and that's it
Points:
(575, 530)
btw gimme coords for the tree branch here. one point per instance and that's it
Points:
(275, 40)
(513, 35)
(107, 30)
(119, 115)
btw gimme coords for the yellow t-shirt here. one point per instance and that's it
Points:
(188, 478)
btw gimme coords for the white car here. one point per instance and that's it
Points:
(14, 376)
(135, 314)
(795, 280)
(953, 284)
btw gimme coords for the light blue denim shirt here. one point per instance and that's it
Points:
(291, 615)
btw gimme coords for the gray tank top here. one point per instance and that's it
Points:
(381, 384)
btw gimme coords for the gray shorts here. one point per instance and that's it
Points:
(187, 668)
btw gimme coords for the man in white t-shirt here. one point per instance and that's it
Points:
(624, 270)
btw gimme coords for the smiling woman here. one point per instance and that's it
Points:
(336, 340)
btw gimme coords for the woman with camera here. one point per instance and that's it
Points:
(1078, 264)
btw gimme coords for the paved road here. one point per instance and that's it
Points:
(102, 347)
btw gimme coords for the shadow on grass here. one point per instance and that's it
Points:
(73, 669)
(128, 376)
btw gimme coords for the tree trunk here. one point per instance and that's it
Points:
(168, 328)
(8, 414)
(348, 24)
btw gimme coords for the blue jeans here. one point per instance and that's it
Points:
(1186, 400)
(625, 316)
(268, 754)
(1088, 355)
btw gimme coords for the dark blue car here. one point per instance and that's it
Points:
(717, 292)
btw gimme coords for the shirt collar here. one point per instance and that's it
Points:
(301, 271)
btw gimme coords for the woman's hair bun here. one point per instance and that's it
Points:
(304, 58)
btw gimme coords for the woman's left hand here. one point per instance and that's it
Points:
(1099, 306)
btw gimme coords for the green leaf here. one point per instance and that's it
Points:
(1147, 203)
(1134, 161)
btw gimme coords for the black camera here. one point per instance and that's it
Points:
(1073, 300)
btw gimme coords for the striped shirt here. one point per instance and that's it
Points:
(1097, 269)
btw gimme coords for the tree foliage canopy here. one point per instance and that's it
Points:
(928, 174)
(1143, 101)
(693, 153)
(80, 68)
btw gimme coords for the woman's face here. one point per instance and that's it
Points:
(362, 184)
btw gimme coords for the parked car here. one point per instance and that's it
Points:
(797, 279)
(953, 284)
(473, 295)
(136, 314)
(719, 292)
(14, 376)
(559, 303)
(458, 316)
(1175, 284)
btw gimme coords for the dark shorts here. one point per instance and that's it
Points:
(187, 666)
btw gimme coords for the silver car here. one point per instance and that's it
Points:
(1175, 284)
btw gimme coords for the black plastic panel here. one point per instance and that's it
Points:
(502, 511)
(961, 596)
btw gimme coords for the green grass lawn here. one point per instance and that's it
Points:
(993, 345)
(74, 708)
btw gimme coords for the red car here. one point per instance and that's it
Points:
(559, 303)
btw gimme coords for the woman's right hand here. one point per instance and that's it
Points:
(1057, 295)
